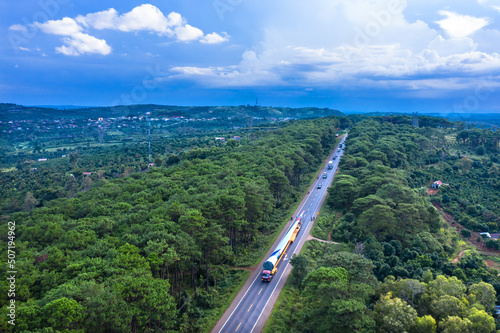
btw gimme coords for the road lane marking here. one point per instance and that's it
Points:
(239, 302)
(302, 239)
(237, 327)
(270, 296)
(249, 308)
(259, 291)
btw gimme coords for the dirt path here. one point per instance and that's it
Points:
(458, 257)
(309, 237)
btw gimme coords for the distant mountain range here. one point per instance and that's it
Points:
(19, 112)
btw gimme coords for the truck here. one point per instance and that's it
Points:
(271, 264)
(330, 165)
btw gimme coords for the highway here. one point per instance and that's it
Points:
(252, 307)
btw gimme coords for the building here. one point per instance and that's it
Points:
(42, 160)
(87, 173)
(436, 184)
(237, 137)
(220, 139)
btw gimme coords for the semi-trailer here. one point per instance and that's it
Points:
(271, 264)
(330, 165)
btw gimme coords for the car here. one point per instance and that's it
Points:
(338, 149)
(325, 175)
(319, 186)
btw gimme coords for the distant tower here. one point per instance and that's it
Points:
(149, 140)
(256, 102)
(414, 120)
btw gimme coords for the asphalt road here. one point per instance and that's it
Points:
(252, 307)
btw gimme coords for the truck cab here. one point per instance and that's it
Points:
(266, 275)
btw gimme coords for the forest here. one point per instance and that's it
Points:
(153, 250)
(106, 243)
(393, 269)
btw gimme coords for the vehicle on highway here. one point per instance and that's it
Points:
(330, 165)
(319, 186)
(325, 175)
(270, 265)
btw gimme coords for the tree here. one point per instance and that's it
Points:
(334, 303)
(393, 315)
(105, 309)
(442, 285)
(343, 192)
(86, 183)
(379, 221)
(301, 266)
(425, 324)
(481, 322)
(454, 324)
(359, 268)
(484, 294)
(150, 302)
(446, 306)
(64, 313)
(362, 204)
(409, 289)
(30, 202)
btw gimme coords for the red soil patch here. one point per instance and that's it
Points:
(431, 191)
(473, 238)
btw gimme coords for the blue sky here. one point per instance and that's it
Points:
(352, 55)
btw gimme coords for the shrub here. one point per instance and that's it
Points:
(466, 233)
(492, 244)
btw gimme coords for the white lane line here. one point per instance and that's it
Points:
(286, 265)
(239, 304)
(269, 298)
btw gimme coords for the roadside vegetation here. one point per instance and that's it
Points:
(399, 269)
(152, 251)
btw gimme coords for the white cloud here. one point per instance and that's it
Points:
(214, 38)
(65, 27)
(100, 20)
(81, 43)
(446, 47)
(187, 33)
(18, 27)
(24, 48)
(76, 41)
(353, 44)
(460, 26)
(145, 17)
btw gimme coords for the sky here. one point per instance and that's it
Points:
(352, 55)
